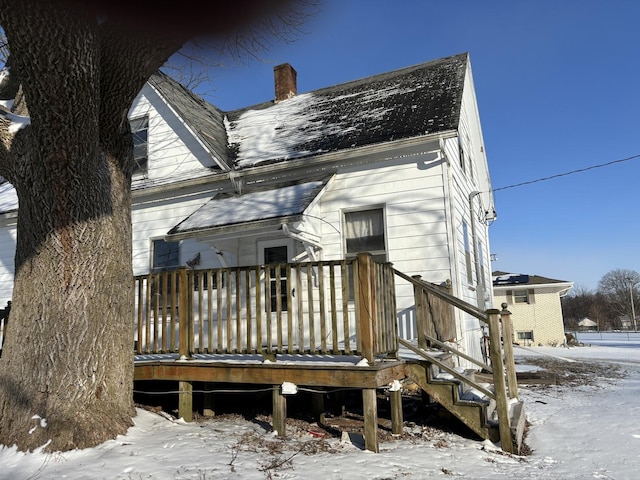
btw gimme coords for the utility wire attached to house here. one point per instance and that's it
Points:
(580, 170)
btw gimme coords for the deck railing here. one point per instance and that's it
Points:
(501, 364)
(329, 307)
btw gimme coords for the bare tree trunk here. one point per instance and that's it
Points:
(66, 373)
(71, 320)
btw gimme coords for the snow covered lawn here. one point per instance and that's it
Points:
(585, 427)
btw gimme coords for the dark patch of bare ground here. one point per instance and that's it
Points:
(574, 373)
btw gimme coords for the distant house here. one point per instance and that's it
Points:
(587, 324)
(393, 164)
(534, 303)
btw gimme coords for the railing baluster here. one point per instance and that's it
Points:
(301, 336)
(334, 309)
(238, 311)
(210, 346)
(138, 342)
(279, 306)
(173, 314)
(290, 297)
(322, 308)
(247, 308)
(219, 292)
(344, 273)
(311, 310)
(228, 296)
(200, 280)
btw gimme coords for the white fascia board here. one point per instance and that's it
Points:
(527, 286)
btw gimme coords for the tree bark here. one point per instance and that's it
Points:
(66, 373)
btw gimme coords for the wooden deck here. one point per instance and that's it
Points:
(323, 325)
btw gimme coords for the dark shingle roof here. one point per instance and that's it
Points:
(411, 102)
(504, 278)
(206, 120)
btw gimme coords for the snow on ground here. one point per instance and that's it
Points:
(585, 427)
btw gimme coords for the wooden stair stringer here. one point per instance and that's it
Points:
(447, 394)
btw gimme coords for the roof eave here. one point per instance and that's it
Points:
(255, 227)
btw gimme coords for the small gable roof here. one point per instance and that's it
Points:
(204, 119)
(587, 322)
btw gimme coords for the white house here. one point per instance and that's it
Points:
(535, 305)
(392, 164)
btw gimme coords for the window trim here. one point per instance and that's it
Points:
(365, 208)
(152, 267)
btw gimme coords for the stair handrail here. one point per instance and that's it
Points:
(446, 368)
(503, 392)
(455, 301)
(457, 352)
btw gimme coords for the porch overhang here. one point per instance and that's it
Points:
(251, 213)
(250, 228)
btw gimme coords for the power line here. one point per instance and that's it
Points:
(580, 170)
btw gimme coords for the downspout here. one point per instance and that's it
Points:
(476, 259)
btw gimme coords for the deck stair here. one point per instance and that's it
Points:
(456, 389)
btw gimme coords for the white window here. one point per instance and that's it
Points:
(140, 132)
(528, 335)
(365, 232)
(467, 252)
(520, 296)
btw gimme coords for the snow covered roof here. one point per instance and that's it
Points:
(233, 208)
(587, 322)
(411, 102)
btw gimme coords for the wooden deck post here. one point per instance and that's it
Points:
(420, 299)
(366, 305)
(183, 312)
(370, 409)
(208, 407)
(499, 384)
(185, 401)
(317, 407)
(397, 420)
(509, 361)
(279, 416)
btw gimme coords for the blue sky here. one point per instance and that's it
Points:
(557, 87)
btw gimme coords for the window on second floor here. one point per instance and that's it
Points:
(521, 296)
(140, 132)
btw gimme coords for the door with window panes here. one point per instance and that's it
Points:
(276, 303)
(165, 258)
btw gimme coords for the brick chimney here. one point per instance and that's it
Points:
(285, 78)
